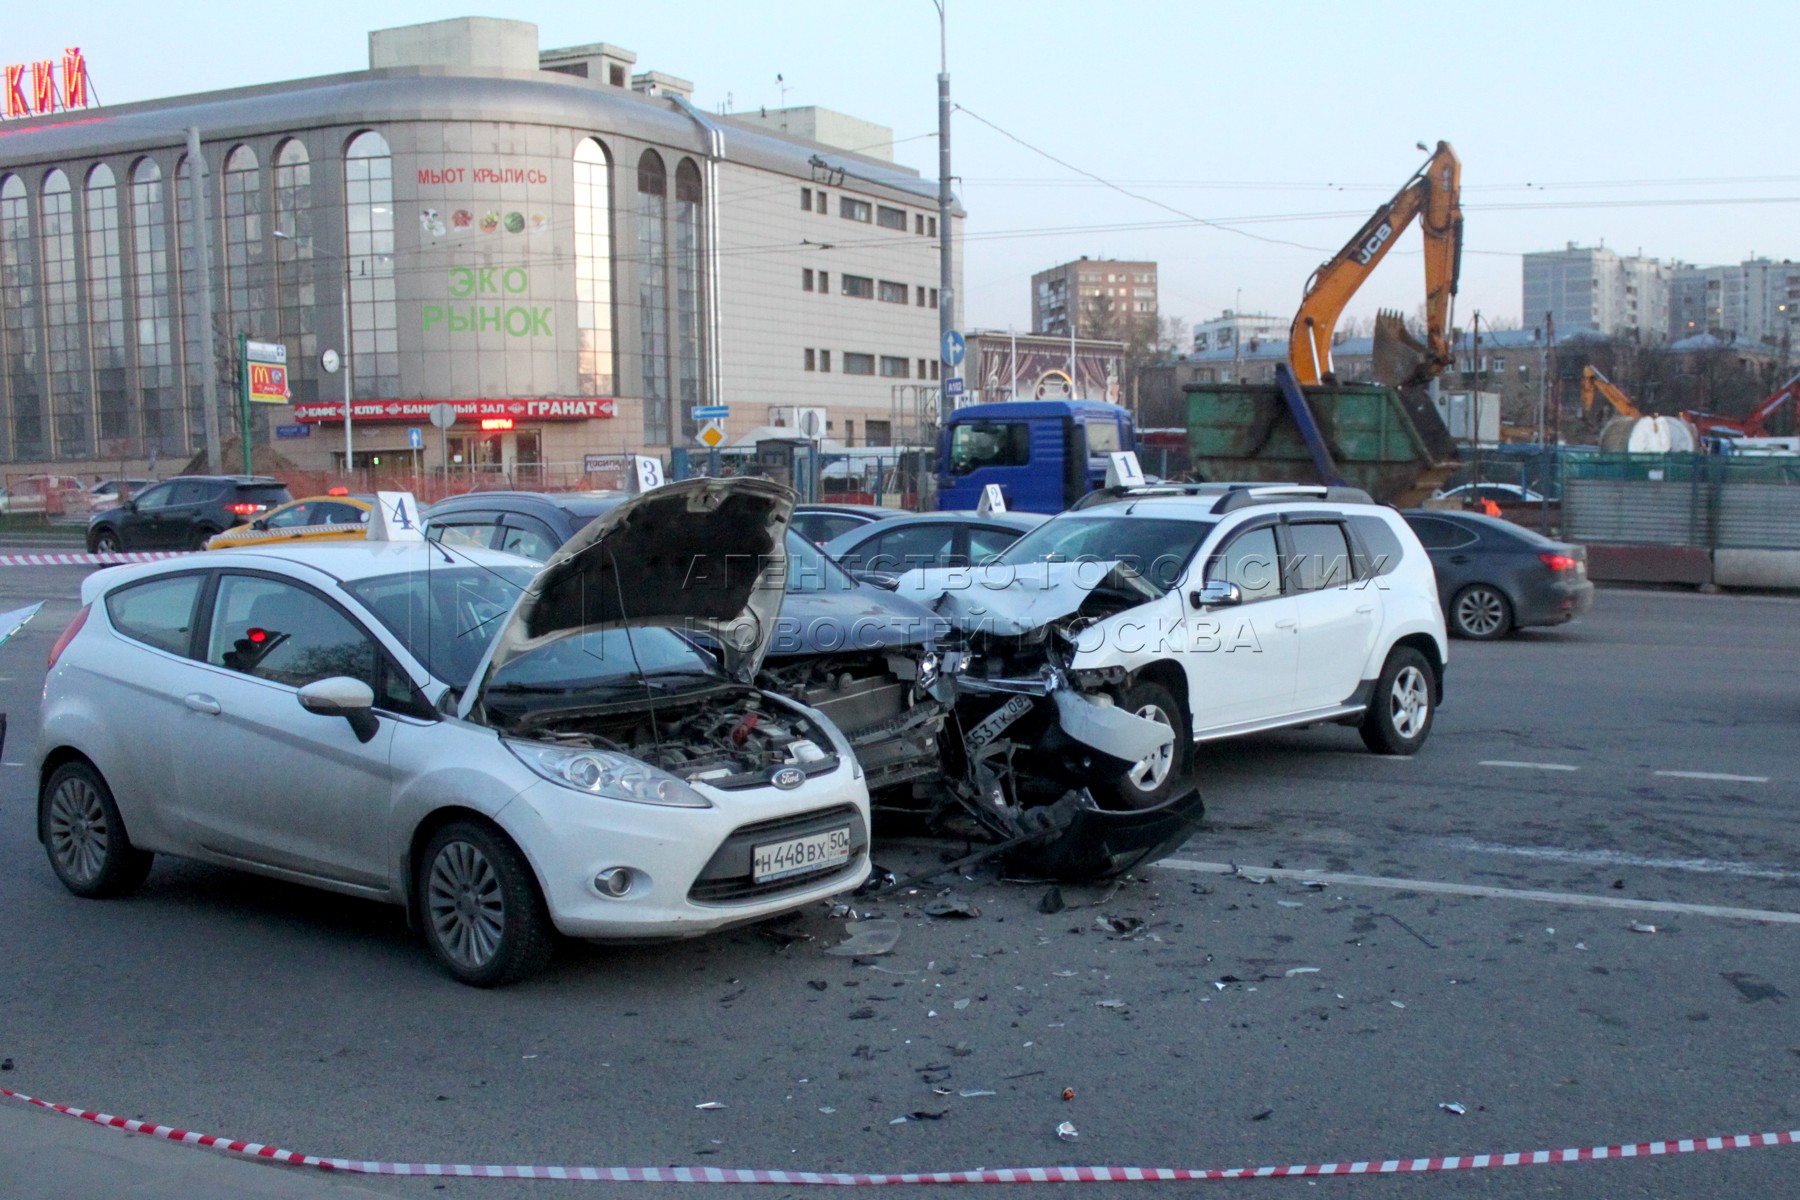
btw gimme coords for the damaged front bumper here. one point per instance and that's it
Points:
(891, 706)
(1075, 737)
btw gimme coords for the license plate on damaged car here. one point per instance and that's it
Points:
(797, 856)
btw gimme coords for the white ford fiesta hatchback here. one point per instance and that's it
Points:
(510, 753)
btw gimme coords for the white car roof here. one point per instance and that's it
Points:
(347, 561)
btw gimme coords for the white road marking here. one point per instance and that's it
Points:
(1715, 775)
(1614, 858)
(1528, 766)
(14, 764)
(1494, 893)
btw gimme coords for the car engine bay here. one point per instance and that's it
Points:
(729, 738)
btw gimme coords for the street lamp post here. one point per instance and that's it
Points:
(344, 364)
(946, 295)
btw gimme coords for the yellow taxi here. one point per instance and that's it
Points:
(337, 517)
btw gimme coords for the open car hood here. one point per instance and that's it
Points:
(1012, 601)
(702, 556)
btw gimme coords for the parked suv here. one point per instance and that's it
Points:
(1109, 639)
(183, 512)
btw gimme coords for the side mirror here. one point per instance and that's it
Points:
(880, 579)
(342, 696)
(129, 506)
(1217, 594)
(259, 524)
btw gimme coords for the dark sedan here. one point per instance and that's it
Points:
(908, 541)
(1494, 576)
(822, 522)
(866, 658)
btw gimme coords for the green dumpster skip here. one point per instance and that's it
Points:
(1394, 448)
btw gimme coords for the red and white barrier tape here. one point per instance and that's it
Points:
(1392, 1166)
(88, 560)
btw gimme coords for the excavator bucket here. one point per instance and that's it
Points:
(1398, 354)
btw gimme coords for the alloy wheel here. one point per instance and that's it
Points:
(464, 904)
(1409, 703)
(1148, 773)
(80, 834)
(1480, 612)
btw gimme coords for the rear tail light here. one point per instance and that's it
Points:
(247, 510)
(68, 635)
(1558, 562)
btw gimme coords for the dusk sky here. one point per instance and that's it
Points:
(1651, 127)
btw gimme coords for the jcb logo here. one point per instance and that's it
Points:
(1373, 246)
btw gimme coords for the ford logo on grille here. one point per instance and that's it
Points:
(788, 778)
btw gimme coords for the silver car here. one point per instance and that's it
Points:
(510, 753)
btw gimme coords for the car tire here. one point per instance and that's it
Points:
(480, 907)
(1402, 709)
(200, 536)
(85, 836)
(104, 541)
(1481, 613)
(1154, 780)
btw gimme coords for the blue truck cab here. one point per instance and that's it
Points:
(1044, 454)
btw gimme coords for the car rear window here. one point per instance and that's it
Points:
(1382, 549)
(269, 494)
(157, 612)
(1437, 534)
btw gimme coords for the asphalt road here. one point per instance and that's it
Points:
(222, 1003)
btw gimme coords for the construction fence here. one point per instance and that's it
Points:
(1687, 500)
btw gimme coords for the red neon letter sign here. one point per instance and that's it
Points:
(43, 86)
(15, 92)
(75, 80)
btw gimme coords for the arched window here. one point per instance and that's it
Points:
(106, 314)
(71, 399)
(653, 294)
(246, 283)
(296, 292)
(369, 242)
(158, 388)
(690, 378)
(24, 364)
(593, 269)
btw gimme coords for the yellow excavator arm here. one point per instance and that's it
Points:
(1434, 197)
(1593, 381)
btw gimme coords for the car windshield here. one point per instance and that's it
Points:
(1157, 549)
(445, 616)
(612, 659)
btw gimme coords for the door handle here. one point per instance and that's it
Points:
(202, 703)
(1365, 608)
(1285, 624)
(1459, 558)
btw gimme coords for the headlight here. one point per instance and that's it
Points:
(600, 773)
(929, 664)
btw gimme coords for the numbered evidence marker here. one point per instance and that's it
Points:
(649, 473)
(1122, 469)
(396, 518)
(992, 500)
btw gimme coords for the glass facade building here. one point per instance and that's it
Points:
(544, 254)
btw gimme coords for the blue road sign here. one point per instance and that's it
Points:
(953, 386)
(293, 431)
(415, 439)
(955, 349)
(710, 412)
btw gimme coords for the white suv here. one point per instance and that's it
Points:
(1213, 609)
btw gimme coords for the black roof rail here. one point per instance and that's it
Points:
(1282, 493)
(1231, 496)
